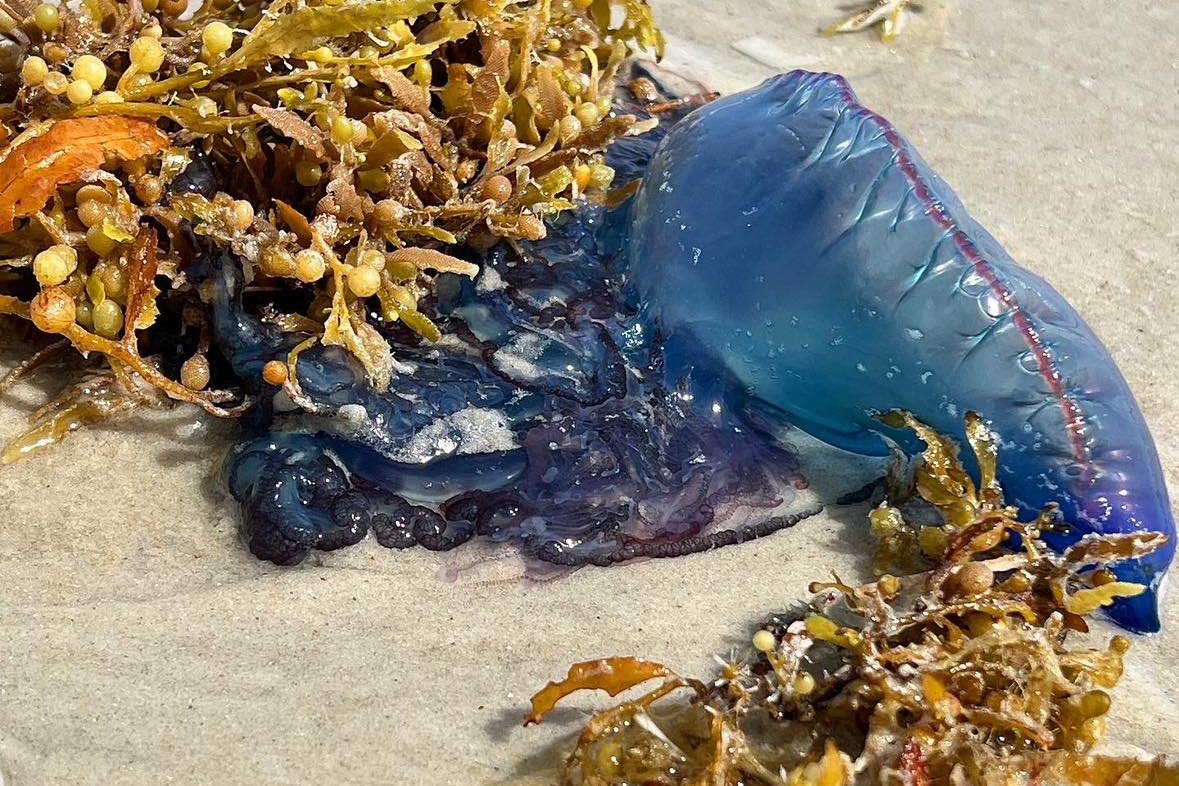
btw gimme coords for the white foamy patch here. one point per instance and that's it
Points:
(404, 366)
(353, 412)
(470, 430)
(518, 357)
(490, 280)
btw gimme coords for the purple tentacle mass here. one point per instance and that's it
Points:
(539, 420)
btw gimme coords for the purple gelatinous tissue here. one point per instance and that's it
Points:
(617, 390)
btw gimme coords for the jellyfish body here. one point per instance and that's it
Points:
(791, 238)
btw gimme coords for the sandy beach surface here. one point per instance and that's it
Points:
(141, 644)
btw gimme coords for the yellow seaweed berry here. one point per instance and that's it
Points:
(309, 266)
(423, 73)
(137, 81)
(587, 113)
(54, 53)
(973, 578)
(530, 227)
(79, 92)
(289, 96)
(92, 192)
(98, 241)
(933, 541)
(146, 54)
(277, 262)
(194, 372)
(53, 310)
(47, 17)
(321, 54)
(204, 106)
(108, 318)
(54, 265)
(149, 189)
(33, 71)
(568, 128)
(241, 215)
(84, 314)
(217, 37)
(308, 173)
(92, 212)
(342, 130)
(363, 281)
(764, 641)
(497, 188)
(114, 280)
(90, 69)
(108, 97)
(275, 372)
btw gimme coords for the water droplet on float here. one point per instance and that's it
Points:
(860, 367)
(926, 376)
(915, 333)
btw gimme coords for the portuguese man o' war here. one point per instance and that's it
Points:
(794, 236)
(617, 390)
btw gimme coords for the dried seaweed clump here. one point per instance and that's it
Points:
(345, 151)
(959, 674)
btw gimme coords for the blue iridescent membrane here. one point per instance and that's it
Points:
(615, 390)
